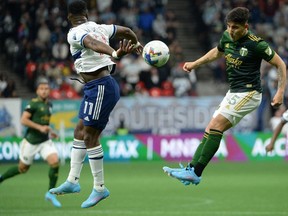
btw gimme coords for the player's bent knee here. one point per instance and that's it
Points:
(53, 160)
(23, 169)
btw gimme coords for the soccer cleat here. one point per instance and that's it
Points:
(169, 171)
(65, 188)
(187, 175)
(52, 198)
(95, 197)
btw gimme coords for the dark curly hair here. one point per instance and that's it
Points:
(77, 7)
(238, 15)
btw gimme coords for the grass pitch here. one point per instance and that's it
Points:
(142, 189)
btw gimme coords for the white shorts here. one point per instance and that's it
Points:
(28, 151)
(285, 116)
(235, 106)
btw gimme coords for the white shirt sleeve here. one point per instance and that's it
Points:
(75, 38)
(110, 29)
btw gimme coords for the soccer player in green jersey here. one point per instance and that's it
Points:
(36, 118)
(243, 52)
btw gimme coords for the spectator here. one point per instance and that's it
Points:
(108, 16)
(3, 83)
(181, 82)
(54, 74)
(145, 22)
(60, 50)
(10, 90)
(44, 33)
(151, 78)
(130, 70)
(159, 27)
(140, 90)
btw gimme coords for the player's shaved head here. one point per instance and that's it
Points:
(77, 7)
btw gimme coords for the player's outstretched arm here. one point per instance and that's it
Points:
(281, 70)
(210, 56)
(276, 133)
(97, 46)
(123, 32)
(100, 47)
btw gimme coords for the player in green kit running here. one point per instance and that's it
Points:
(36, 118)
(243, 52)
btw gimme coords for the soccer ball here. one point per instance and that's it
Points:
(156, 53)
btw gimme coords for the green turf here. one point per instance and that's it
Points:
(142, 189)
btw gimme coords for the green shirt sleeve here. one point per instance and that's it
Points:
(30, 107)
(265, 51)
(224, 39)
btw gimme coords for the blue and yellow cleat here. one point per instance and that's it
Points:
(52, 198)
(66, 188)
(169, 171)
(187, 174)
(95, 197)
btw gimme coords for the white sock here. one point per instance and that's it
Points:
(78, 154)
(95, 156)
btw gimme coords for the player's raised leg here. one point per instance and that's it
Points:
(187, 175)
(13, 171)
(71, 185)
(190, 165)
(99, 191)
(65, 188)
(95, 197)
(169, 171)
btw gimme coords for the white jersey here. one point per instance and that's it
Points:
(86, 60)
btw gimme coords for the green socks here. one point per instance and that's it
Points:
(53, 176)
(10, 173)
(199, 150)
(208, 150)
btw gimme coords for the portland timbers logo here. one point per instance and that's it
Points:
(268, 51)
(243, 51)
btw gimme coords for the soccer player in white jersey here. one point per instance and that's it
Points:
(277, 131)
(89, 46)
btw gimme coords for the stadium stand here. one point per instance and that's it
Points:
(33, 42)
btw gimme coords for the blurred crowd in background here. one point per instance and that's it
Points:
(33, 43)
(33, 39)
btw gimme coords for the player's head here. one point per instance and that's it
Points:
(42, 88)
(237, 22)
(238, 15)
(77, 8)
